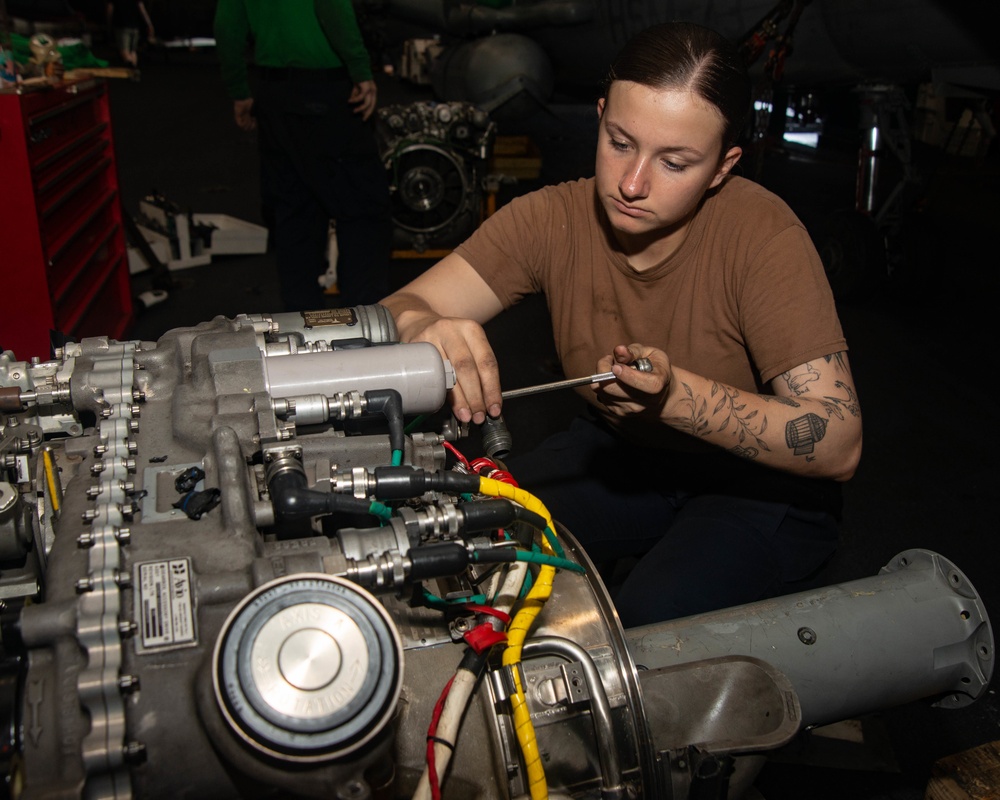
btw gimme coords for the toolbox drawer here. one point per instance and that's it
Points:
(64, 256)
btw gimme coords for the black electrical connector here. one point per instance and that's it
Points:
(399, 483)
(188, 479)
(195, 504)
(487, 515)
(437, 561)
(498, 555)
(293, 500)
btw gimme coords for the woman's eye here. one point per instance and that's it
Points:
(619, 145)
(670, 165)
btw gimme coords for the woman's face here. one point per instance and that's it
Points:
(657, 154)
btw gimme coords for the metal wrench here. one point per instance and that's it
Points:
(641, 364)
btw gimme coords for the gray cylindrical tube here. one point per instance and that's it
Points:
(373, 323)
(415, 370)
(916, 630)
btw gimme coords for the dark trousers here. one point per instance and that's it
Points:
(319, 161)
(697, 550)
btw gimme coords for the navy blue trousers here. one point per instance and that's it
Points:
(319, 161)
(698, 549)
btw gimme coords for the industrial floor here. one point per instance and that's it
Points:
(921, 348)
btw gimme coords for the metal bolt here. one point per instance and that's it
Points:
(123, 579)
(807, 636)
(128, 683)
(127, 628)
(85, 539)
(85, 584)
(123, 535)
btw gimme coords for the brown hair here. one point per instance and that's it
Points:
(682, 55)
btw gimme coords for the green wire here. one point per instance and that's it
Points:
(397, 457)
(553, 561)
(379, 510)
(543, 558)
(414, 423)
(433, 601)
(554, 542)
(529, 581)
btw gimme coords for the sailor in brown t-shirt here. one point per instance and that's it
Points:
(721, 468)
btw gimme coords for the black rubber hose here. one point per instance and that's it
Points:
(536, 521)
(390, 403)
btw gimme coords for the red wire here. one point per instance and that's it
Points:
(431, 733)
(502, 476)
(492, 471)
(454, 451)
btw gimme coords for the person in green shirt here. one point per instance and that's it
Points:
(312, 102)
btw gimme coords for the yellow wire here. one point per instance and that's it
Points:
(50, 479)
(518, 632)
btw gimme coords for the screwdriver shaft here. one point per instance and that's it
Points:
(641, 364)
(549, 387)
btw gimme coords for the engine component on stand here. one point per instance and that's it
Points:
(232, 566)
(436, 155)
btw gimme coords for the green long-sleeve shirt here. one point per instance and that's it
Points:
(312, 34)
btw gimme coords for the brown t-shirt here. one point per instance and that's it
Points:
(742, 300)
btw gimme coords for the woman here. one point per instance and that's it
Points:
(721, 468)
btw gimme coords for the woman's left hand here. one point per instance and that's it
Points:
(635, 392)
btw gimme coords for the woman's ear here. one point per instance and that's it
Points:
(600, 107)
(727, 163)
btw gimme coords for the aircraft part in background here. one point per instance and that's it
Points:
(836, 41)
(508, 74)
(436, 155)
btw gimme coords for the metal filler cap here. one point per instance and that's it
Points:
(308, 668)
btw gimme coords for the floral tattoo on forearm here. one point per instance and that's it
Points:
(749, 441)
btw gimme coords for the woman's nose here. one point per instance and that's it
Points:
(634, 182)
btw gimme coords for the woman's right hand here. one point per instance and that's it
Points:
(463, 342)
(447, 306)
